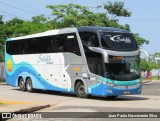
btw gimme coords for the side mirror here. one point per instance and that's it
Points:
(147, 55)
(100, 50)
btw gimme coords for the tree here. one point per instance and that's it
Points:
(14, 21)
(66, 16)
(39, 19)
(116, 9)
(140, 41)
(2, 38)
(146, 66)
(71, 15)
(1, 20)
(155, 60)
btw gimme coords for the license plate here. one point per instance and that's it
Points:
(126, 92)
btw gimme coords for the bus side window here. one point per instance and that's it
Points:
(24, 47)
(93, 41)
(70, 44)
(54, 47)
(89, 39)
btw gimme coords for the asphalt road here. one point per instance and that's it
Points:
(148, 101)
(152, 88)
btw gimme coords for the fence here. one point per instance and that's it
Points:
(2, 71)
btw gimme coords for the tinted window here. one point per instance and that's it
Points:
(94, 59)
(118, 41)
(48, 44)
(89, 39)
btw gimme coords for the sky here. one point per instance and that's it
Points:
(145, 19)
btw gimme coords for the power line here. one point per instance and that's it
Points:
(26, 5)
(14, 15)
(143, 20)
(19, 8)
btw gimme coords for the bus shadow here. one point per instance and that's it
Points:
(48, 92)
(90, 97)
(119, 98)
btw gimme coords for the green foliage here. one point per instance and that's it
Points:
(155, 60)
(72, 15)
(65, 16)
(2, 37)
(1, 21)
(140, 41)
(116, 9)
(146, 66)
(156, 77)
(14, 21)
(39, 19)
(2, 81)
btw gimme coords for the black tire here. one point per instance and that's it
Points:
(21, 84)
(29, 86)
(80, 90)
(111, 97)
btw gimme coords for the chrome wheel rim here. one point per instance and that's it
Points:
(81, 90)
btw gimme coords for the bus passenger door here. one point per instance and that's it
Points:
(96, 69)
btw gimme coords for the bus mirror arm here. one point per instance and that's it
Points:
(147, 55)
(102, 51)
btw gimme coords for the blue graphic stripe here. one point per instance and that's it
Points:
(38, 81)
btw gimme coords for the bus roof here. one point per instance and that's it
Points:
(93, 29)
(98, 28)
(46, 33)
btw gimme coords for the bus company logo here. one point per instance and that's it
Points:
(119, 38)
(44, 58)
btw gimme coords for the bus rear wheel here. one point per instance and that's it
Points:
(21, 84)
(29, 86)
(80, 90)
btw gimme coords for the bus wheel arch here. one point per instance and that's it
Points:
(29, 85)
(21, 83)
(80, 89)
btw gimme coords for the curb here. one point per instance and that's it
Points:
(146, 81)
(3, 84)
(32, 109)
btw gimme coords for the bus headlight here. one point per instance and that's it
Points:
(108, 84)
(104, 82)
(109, 91)
(111, 84)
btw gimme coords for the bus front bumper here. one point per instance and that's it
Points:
(123, 90)
(105, 90)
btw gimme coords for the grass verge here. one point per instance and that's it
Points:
(1, 104)
(2, 81)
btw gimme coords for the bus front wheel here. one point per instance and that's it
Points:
(112, 97)
(80, 90)
(29, 86)
(21, 84)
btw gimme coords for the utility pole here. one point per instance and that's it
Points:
(97, 6)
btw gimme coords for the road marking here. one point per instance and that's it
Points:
(17, 102)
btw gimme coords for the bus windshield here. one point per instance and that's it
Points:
(123, 68)
(118, 41)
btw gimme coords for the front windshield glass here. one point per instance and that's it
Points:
(118, 41)
(123, 68)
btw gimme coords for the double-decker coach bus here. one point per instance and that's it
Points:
(101, 61)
